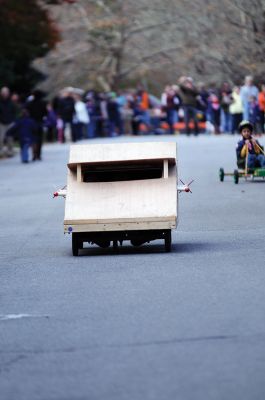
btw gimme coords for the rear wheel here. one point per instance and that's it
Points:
(236, 176)
(75, 244)
(168, 241)
(221, 174)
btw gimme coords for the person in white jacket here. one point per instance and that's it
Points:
(236, 109)
(81, 118)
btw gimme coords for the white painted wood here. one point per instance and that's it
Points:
(151, 202)
(122, 226)
(121, 152)
(152, 198)
(165, 169)
(118, 220)
(79, 173)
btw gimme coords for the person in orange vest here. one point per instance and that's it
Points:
(143, 105)
(261, 100)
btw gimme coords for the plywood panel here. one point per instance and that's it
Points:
(121, 201)
(165, 169)
(134, 204)
(121, 226)
(122, 152)
(79, 173)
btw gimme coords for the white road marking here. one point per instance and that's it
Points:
(19, 316)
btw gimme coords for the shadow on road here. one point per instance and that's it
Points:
(177, 248)
(196, 247)
(123, 250)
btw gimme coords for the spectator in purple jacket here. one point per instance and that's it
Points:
(50, 123)
(254, 113)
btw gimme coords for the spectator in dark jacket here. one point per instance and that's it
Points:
(225, 101)
(25, 128)
(37, 110)
(66, 109)
(91, 109)
(189, 95)
(7, 118)
(114, 116)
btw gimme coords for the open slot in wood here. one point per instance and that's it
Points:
(121, 172)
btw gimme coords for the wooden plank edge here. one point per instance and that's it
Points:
(133, 226)
(73, 165)
(118, 220)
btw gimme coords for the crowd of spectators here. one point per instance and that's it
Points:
(75, 114)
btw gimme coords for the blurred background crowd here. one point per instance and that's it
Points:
(75, 114)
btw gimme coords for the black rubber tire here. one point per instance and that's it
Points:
(136, 243)
(75, 244)
(236, 176)
(104, 244)
(168, 241)
(221, 174)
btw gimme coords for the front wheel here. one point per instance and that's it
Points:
(168, 241)
(221, 174)
(236, 176)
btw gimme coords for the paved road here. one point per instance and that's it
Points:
(189, 325)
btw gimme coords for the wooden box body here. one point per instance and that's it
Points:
(100, 198)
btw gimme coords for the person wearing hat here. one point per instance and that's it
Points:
(249, 147)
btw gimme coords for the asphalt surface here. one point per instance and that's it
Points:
(141, 324)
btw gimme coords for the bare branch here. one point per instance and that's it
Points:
(149, 27)
(148, 57)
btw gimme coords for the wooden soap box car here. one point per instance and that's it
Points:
(122, 191)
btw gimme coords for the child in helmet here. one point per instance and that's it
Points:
(250, 147)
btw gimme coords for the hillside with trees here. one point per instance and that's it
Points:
(109, 44)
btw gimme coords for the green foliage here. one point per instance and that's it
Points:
(26, 32)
